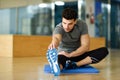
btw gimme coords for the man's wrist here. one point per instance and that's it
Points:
(71, 54)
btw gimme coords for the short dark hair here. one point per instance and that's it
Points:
(69, 13)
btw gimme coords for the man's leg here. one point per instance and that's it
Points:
(93, 56)
(90, 57)
(67, 63)
(84, 61)
(62, 61)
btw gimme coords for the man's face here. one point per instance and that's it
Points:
(68, 25)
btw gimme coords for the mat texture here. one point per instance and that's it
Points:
(85, 69)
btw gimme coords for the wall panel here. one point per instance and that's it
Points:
(17, 3)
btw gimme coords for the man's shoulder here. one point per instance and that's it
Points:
(79, 21)
(58, 29)
(59, 25)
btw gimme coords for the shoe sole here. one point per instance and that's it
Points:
(52, 57)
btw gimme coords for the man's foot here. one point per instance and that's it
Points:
(70, 65)
(52, 57)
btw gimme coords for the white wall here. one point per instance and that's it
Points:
(18, 3)
(5, 21)
(90, 9)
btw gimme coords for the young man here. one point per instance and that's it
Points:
(71, 39)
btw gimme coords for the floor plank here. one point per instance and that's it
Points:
(31, 68)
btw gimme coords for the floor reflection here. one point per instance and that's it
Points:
(32, 68)
(6, 68)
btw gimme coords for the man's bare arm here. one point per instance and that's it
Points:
(56, 38)
(85, 43)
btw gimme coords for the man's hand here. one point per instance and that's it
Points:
(51, 46)
(64, 53)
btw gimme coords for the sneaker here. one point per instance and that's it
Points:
(52, 57)
(70, 65)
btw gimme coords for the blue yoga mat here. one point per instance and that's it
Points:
(86, 69)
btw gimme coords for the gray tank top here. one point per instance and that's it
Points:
(71, 40)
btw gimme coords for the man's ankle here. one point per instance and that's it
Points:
(70, 65)
(61, 67)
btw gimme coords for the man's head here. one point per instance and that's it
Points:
(69, 14)
(69, 17)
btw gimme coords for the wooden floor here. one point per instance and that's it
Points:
(31, 68)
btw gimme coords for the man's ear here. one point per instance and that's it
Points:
(75, 21)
